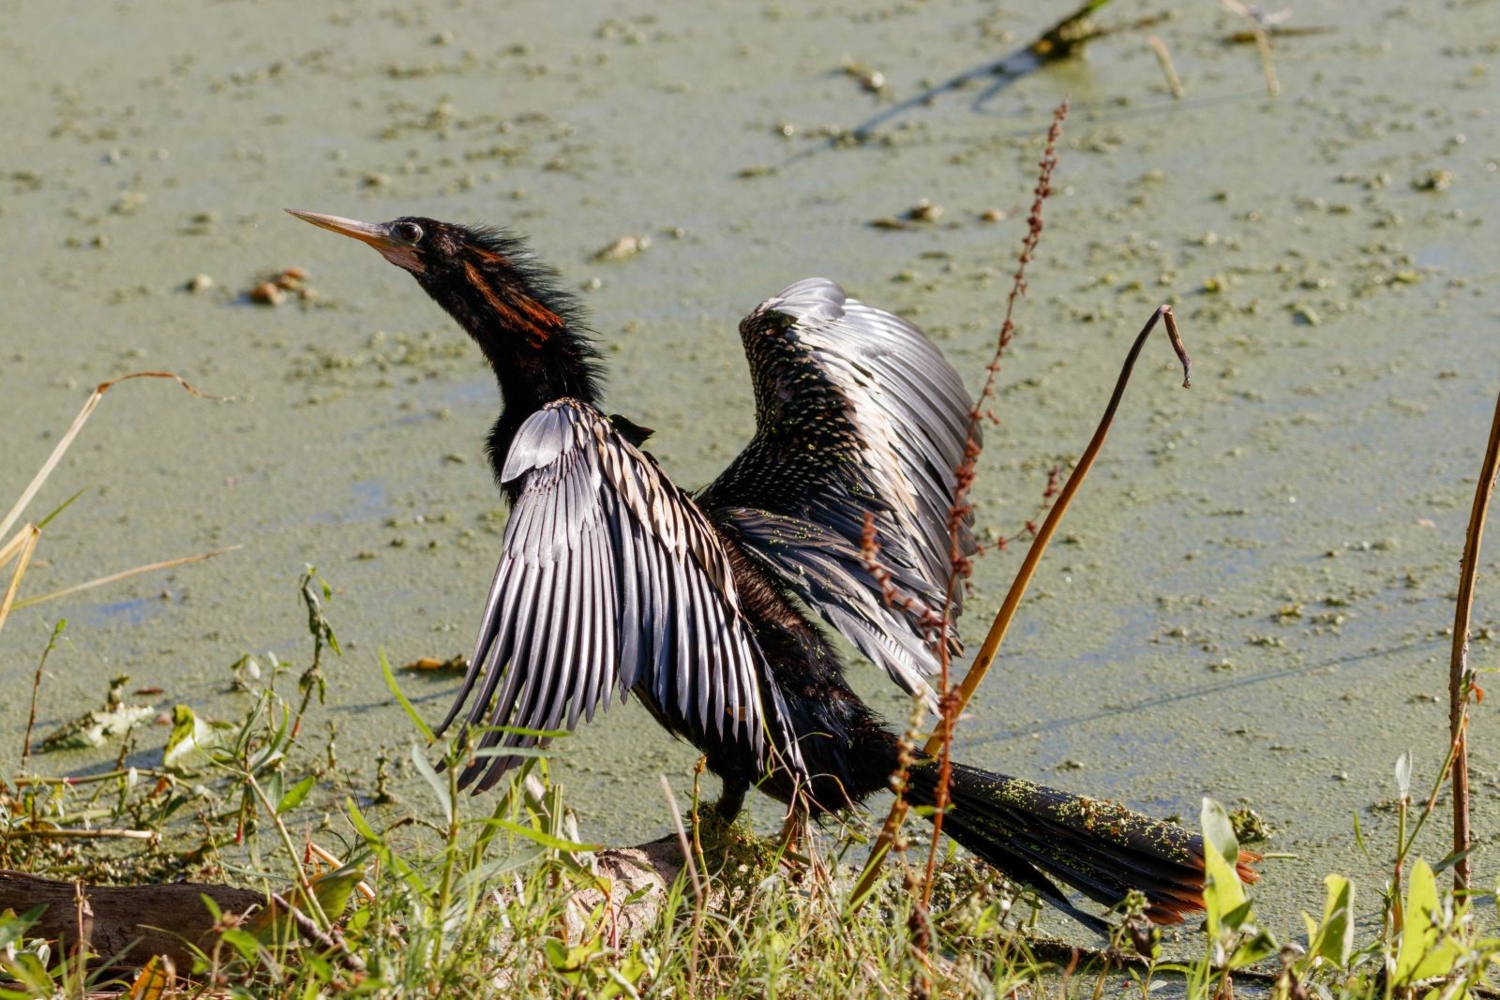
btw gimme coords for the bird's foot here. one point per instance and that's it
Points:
(731, 801)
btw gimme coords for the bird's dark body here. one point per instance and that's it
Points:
(847, 752)
(613, 578)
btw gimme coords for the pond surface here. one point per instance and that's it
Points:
(1249, 601)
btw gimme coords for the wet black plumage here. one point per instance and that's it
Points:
(611, 579)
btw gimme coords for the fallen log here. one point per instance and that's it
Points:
(127, 924)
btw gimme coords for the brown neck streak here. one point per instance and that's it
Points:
(516, 310)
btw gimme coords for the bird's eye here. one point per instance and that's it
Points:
(409, 232)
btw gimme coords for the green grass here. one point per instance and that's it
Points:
(507, 902)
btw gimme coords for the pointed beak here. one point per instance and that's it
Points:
(377, 234)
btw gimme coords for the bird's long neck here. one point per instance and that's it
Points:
(530, 333)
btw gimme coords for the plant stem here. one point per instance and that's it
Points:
(303, 882)
(958, 512)
(72, 432)
(1460, 682)
(36, 687)
(1044, 534)
(24, 543)
(450, 860)
(123, 575)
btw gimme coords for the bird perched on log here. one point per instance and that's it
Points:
(613, 580)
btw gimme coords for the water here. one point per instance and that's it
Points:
(1249, 599)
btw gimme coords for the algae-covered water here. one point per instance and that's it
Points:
(1250, 599)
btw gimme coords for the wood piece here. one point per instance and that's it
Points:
(130, 923)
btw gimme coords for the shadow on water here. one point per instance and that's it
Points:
(1062, 40)
(1204, 690)
(135, 611)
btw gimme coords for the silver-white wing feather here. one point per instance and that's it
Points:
(857, 412)
(610, 579)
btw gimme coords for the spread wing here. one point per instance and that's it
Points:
(856, 411)
(610, 578)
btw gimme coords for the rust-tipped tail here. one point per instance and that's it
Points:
(1040, 836)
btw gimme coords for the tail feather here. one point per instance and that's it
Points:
(1035, 834)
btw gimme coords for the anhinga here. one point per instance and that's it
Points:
(614, 579)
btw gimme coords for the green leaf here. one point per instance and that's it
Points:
(411, 712)
(1240, 917)
(434, 781)
(334, 888)
(61, 507)
(357, 820)
(1258, 946)
(193, 742)
(274, 788)
(13, 928)
(541, 734)
(27, 969)
(488, 752)
(1222, 892)
(541, 837)
(557, 954)
(1332, 940)
(294, 796)
(1452, 859)
(1427, 949)
(243, 942)
(477, 878)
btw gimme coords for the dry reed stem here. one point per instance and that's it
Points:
(313, 851)
(1174, 82)
(1003, 617)
(950, 707)
(9, 550)
(100, 581)
(22, 546)
(958, 513)
(1262, 43)
(682, 840)
(77, 425)
(1460, 678)
(68, 833)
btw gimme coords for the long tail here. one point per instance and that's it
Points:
(1034, 834)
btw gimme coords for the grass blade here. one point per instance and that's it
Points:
(123, 575)
(411, 711)
(28, 536)
(67, 439)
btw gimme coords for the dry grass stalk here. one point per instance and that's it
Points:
(100, 581)
(1460, 677)
(1044, 534)
(67, 439)
(1257, 31)
(21, 546)
(958, 513)
(1174, 82)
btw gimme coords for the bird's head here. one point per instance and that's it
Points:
(484, 277)
(528, 328)
(422, 246)
(425, 247)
